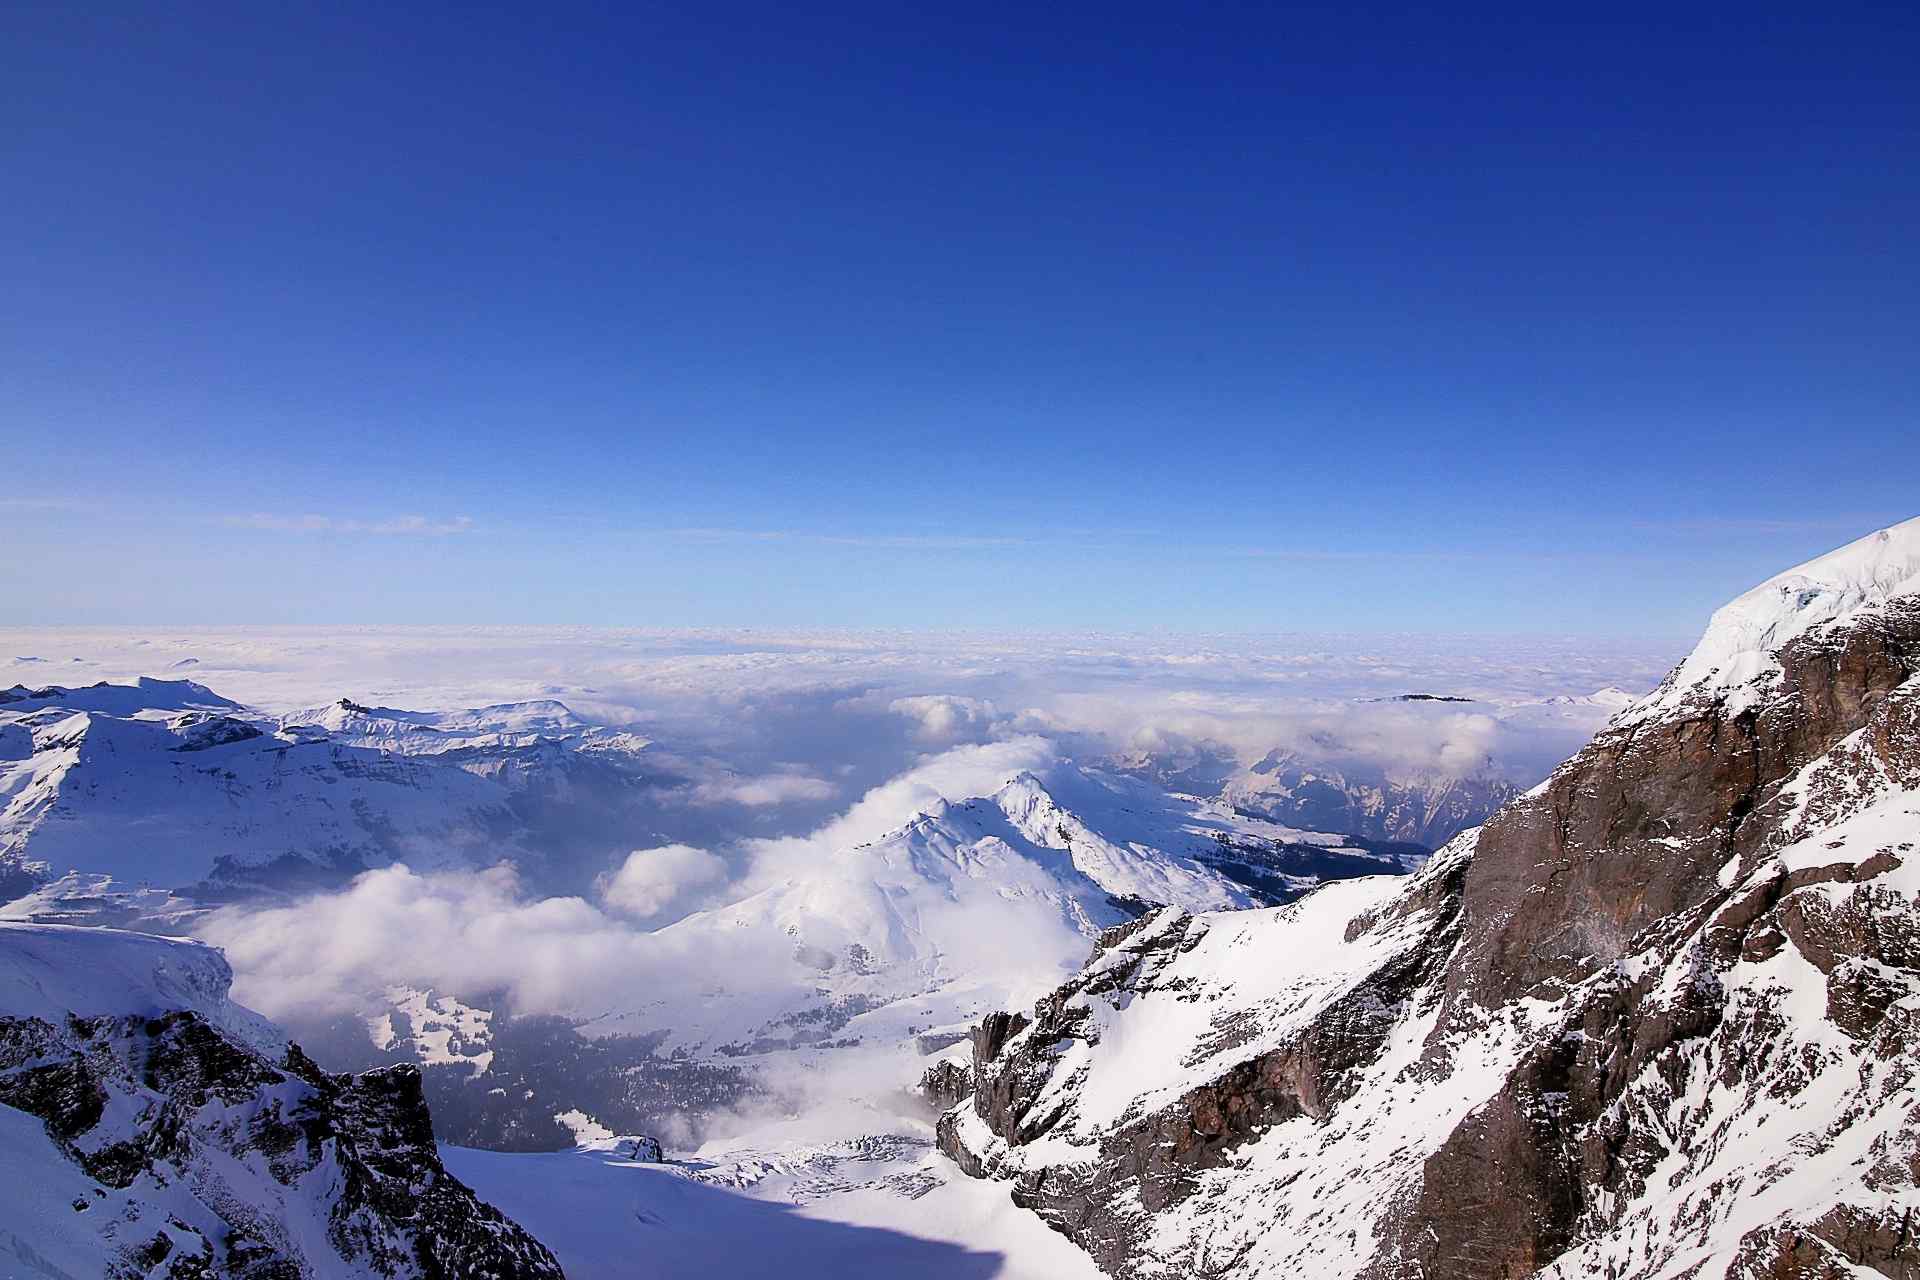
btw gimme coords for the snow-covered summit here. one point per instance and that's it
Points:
(1736, 655)
(979, 895)
(144, 697)
(1612, 697)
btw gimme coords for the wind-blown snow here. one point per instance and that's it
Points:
(50, 971)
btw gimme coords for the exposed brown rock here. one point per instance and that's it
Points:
(1620, 895)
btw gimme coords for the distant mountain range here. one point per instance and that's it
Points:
(1655, 1018)
(169, 785)
(146, 806)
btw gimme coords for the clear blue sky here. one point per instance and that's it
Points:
(1169, 316)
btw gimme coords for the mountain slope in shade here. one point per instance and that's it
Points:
(1658, 1018)
(150, 1127)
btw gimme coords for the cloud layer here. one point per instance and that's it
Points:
(651, 880)
(416, 525)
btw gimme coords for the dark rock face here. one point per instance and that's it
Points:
(1657, 1018)
(642, 1149)
(946, 1084)
(180, 1126)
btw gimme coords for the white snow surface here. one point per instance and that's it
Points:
(783, 1200)
(439, 1029)
(49, 971)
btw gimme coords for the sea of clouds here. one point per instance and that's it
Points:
(803, 743)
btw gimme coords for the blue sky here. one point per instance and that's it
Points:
(1189, 317)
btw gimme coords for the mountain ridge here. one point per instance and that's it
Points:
(1655, 1019)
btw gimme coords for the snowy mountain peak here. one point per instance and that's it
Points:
(1737, 653)
(1611, 696)
(144, 696)
(394, 728)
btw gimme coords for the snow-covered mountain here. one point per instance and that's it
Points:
(931, 923)
(877, 1202)
(151, 1127)
(167, 784)
(147, 805)
(520, 744)
(1656, 1019)
(1096, 848)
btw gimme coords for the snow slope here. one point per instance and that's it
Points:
(145, 697)
(868, 1205)
(50, 971)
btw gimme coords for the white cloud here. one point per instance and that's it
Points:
(898, 541)
(651, 880)
(945, 718)
(768, 727)
(416, 525)
(766, 790)
(61, 505)
(475, 933)
(470, 934)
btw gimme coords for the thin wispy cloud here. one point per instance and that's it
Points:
(46, 504)
(413, 525)
(1332, 553)
(1738, 525)
(927, 541)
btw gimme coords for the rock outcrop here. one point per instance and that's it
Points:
(152, 1128)
(1657, 1018)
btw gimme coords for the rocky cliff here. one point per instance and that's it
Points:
(152, 1128)
(1657, 1018)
